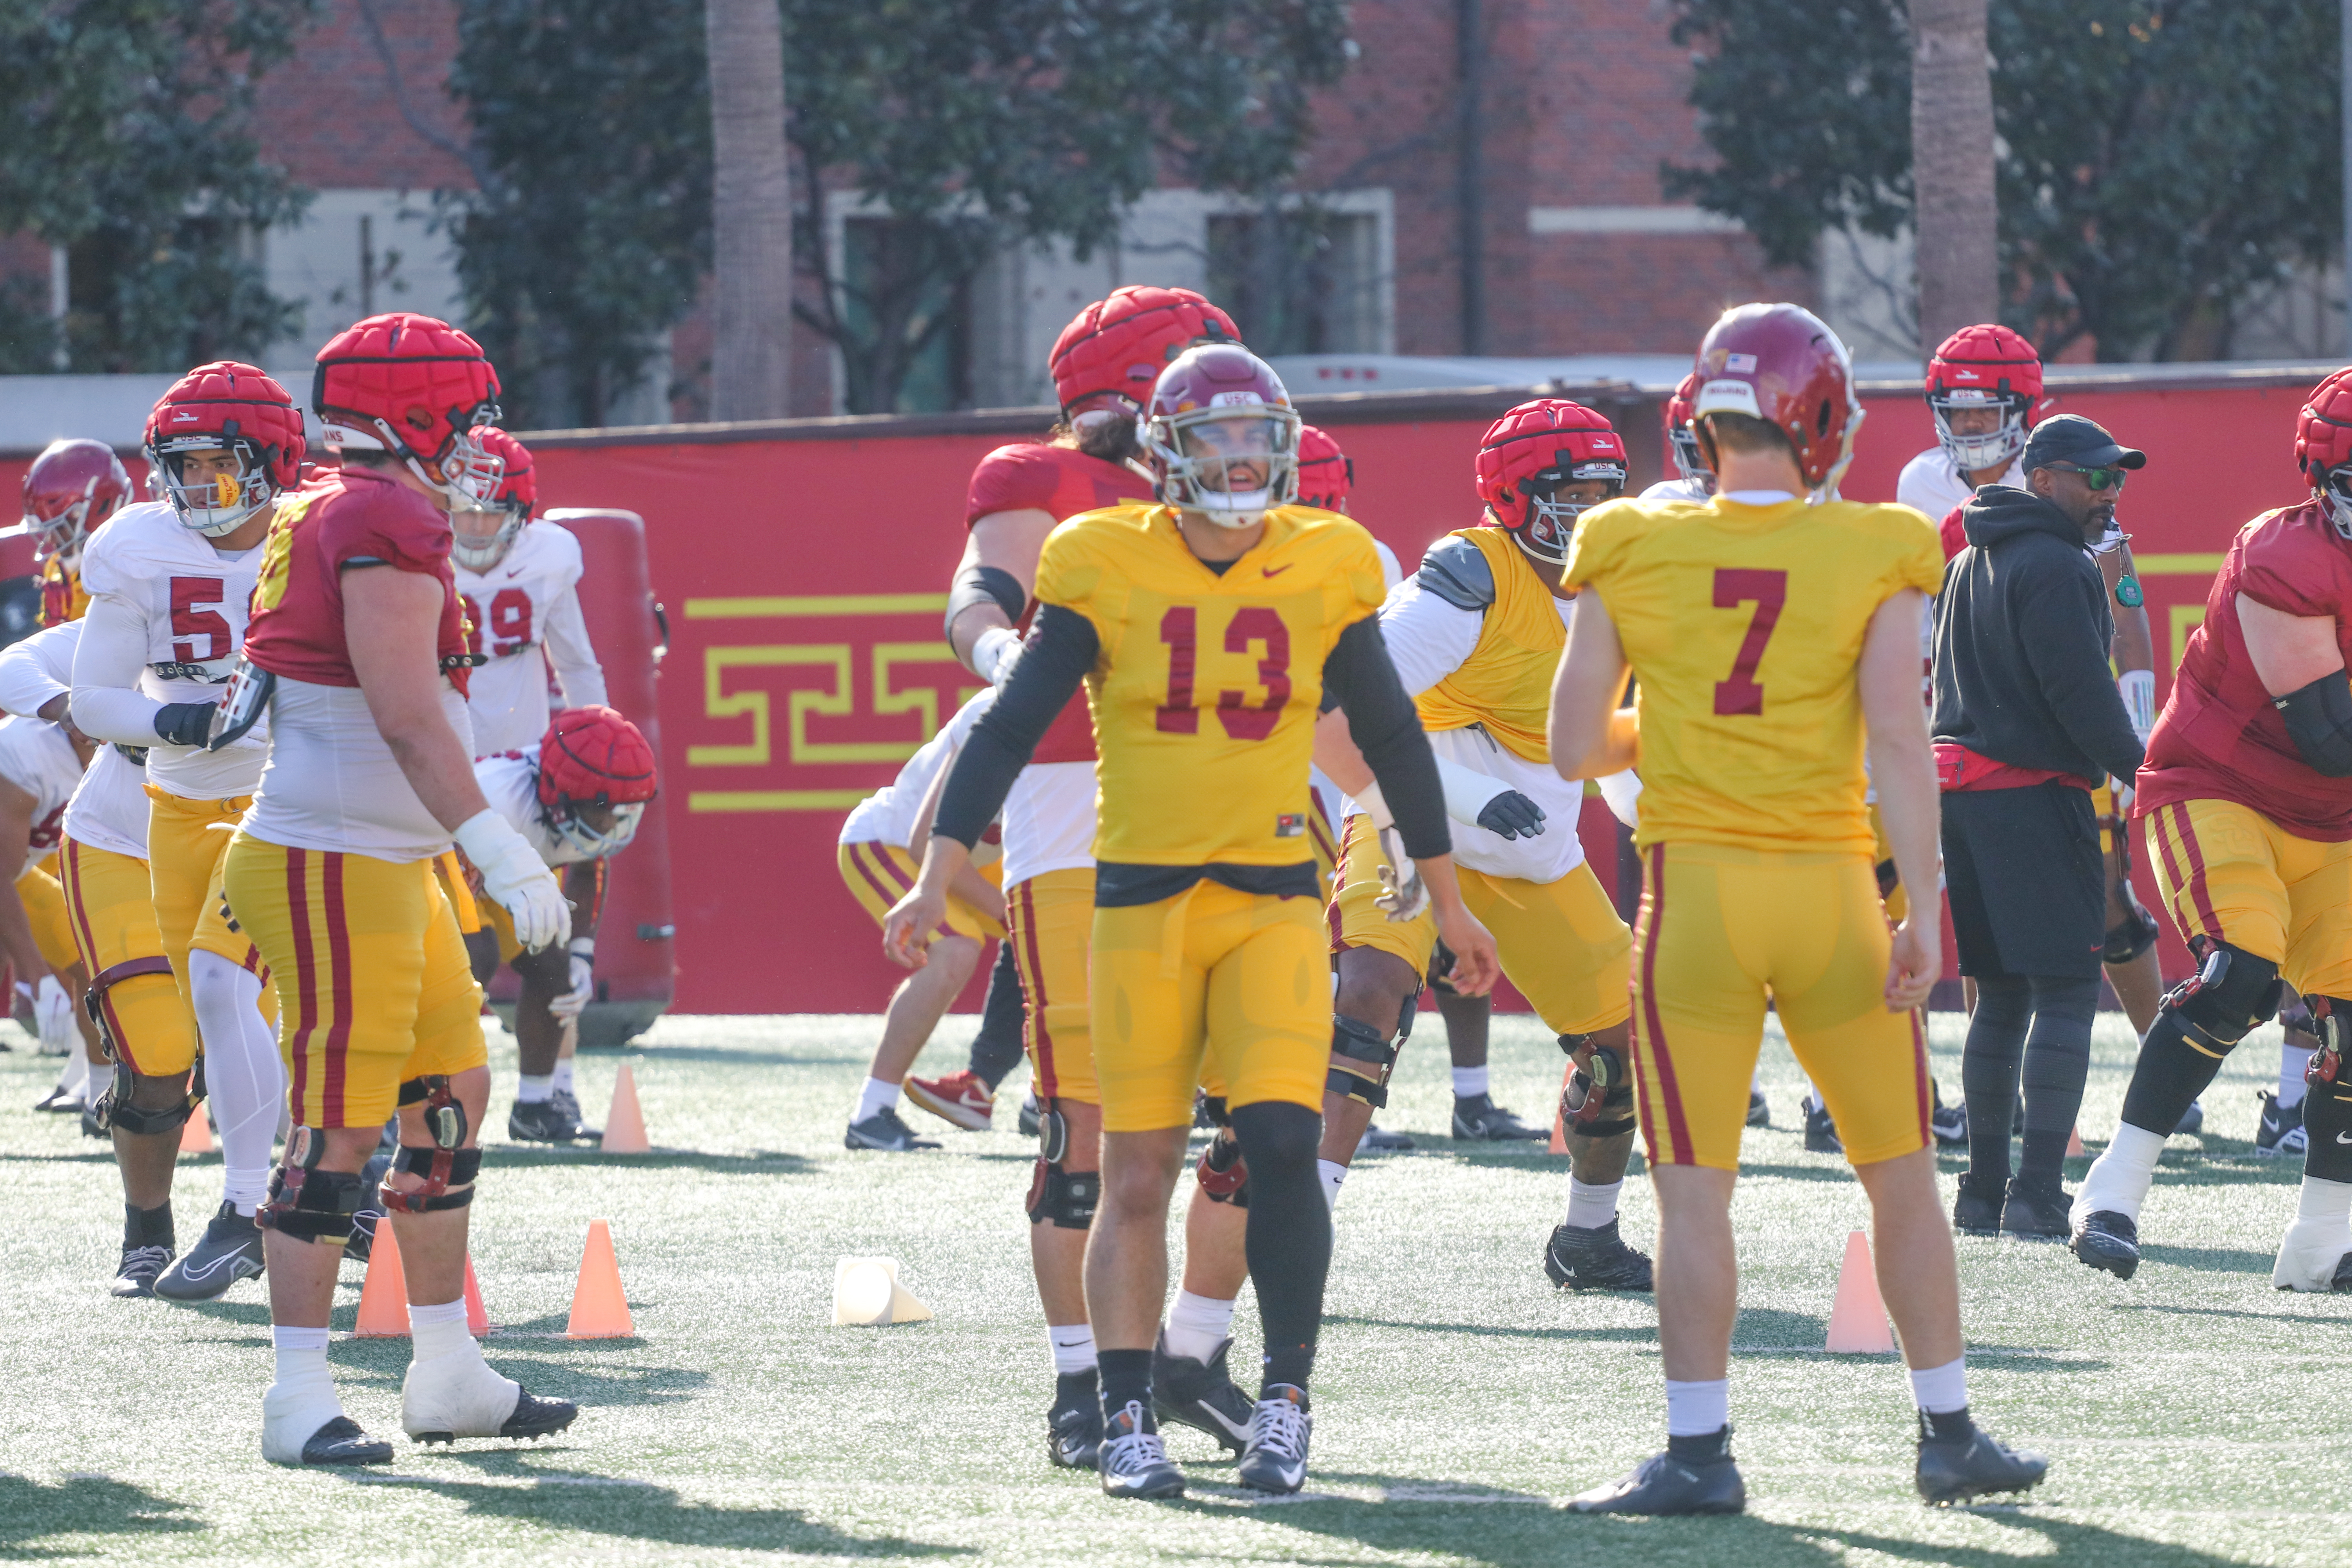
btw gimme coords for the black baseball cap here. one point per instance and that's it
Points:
(2079, 443)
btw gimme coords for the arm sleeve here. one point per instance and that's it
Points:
(107, 702)
(2064, 643)
(1388, 732)
(571, 653)
(1427, 638)
(29, 678)
(1061, 648)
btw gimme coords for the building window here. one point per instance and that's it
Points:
(1299, 279)
(915, 307)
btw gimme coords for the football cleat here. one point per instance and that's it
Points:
(229, 1252)
(886, 1132)
(564, 1101)
(546, 1122)
(1594, 1257)
(1380, 1141)
(140, 1267)
(1481, 1121)
(1953, 1469)
(2191, 1119)
(1274, 1460)
(1662, 1484)
(2315, 1255)
(1975, 1212)
(1820, 1132)
(2280, 1134)
(1201, 1394)
(2109, 1240)
(1759, 1111)
(60, 1100)
(961, 1098)
(1028, 1121)
(1949, 1123)
(1133, 1461)
(458, 1395)
(2037, 1212)
(337, 1442)
(1074, 1431)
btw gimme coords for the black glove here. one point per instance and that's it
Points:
(185, 723)
(1512, 814)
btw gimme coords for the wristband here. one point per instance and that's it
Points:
(989, 648)
(1375, 806)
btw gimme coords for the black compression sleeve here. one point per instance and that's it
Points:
(2319, 721)
(1386, 729)
(1060, 650)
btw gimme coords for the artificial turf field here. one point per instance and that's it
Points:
(2192, 1416)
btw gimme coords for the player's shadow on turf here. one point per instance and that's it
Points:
(2210, 1260)
(1637, 1333)
(81, 1505)
(759, 1162)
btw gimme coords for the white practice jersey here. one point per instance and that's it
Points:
(509, 783)
(166, 621)
(1676, 490)
(1049, 820)
(888, 816)
(109, 810)
(331, 782)
(1930, 483)
(525, 616)
(36, 756)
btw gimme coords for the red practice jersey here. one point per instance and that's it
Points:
(341, 517)
(2219, 738)
(1064, 483)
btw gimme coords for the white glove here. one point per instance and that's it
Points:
(2138, 689)
(583, 980)
(994, 653)
(53, 1015)
(1622, 794)
(1403, 894)
(513, 874)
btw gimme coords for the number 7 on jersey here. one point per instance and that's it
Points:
(1768, 590)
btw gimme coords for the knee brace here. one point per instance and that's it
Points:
(2231, 993)
(115, 1108)
(93, 1001)
(1597, 1100)
(448, 1171)
(1222, 1171)
(306, 1203)
(1067, 1198)
(1439, 976)
(1361, 1062)
(2131, 935)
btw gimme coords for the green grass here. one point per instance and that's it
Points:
(2189, 1413)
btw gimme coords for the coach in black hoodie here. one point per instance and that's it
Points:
(2027, 720)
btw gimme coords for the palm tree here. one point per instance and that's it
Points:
(751, 211)
(1952, 168)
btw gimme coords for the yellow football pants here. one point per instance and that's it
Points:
(112, 903)
(1050, 920)
(2230, 874)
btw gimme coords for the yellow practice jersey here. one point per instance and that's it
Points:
(63, 597)
(1206, 688)
(1744, 625)
(1504, 685)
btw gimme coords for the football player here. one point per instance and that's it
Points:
(1207, 629)
(1474, 636)
(577, 794)
(168, 584)
(71, 490)
(41, 764)
(1771, 634)
(518, 581)
(1693, 480)
(2247, 793)
(355, 653)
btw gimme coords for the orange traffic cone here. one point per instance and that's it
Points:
(384, 1294)
(1560, 1113)
(600, 1309)
(196, 1133)
(477, 1317)
(1858, 1319)
(2075, 1150)
(624, 1124)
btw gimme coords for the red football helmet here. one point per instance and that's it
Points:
(1781, 364)
(2323, 446)
(71, 488)
(481, 536)
(232, 406)
(1986, 366)
(1528, 454)
(1326, 474)
(417, 387)
(1119, 346)
(593, 757)
(1682, 441)
(1216, 406)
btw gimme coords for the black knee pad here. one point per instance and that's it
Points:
(309, 1203)
(1440, 976)
(1221, 1173)
(448, 1179)
(2134, 934)
(1361, 1061)
(1213, 1108)
(2231, 992)
(1067, 1198)
(2328, 1102)
(445, 1119)
(114, 1108)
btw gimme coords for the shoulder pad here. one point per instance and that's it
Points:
(1457, 572)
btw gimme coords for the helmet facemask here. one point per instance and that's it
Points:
(1552, 511)
(2338, 488)
(1690, 462)
(1995, 448)
(481, 537)
(218, 504)
(621, 820)
(61, 536)
(1206, 452)
(461, 471)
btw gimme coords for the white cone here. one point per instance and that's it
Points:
(867, 1293)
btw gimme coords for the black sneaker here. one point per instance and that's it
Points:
(1201, 1394)
(2280, 1134)
(1664, 1484)
(1380, 1141)
(2036, 1211)
(1594, 1257)
(1820, 1132)
(1953, 1469)
(884, 1131)
(564, 1101)
(1949, 1123)
(1073, 1426)
(1759, 1113)
(545, 1121)
(138, 1270)
(229, 1252)
(2109, 1240)
(1481, 1121)
(2192, 1119)
(1275, 1458)
(1133, 1461)
(1975, 1211)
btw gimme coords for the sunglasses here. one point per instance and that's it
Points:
(2097, 478)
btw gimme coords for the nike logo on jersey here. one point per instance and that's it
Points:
(1278, 571)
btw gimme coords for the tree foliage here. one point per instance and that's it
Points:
(2159, 159)
(125, 135)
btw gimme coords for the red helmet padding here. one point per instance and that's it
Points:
(2323, 430)
(233, 402)
(1326, 474)
(593, 756)
(419, 374)
(1798, 372)
(1987, 358)
(1548, 437)
(518, 486)
(1122, 344)
(67, 471)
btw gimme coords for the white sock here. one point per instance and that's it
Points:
(562, 1078)
(1073, 1345)
(2119, 1179)
(1697, 1409)
(301, 1355)
(1592, 1206)
(75, 1076)
(1937, 1389)
(243, 1075)
(1197, 1325)
(435, 1331)
(1469, 1083)
(874, 1099)
(2323, 1199)
(2292, 1059)
(1333, 1174)
(531, 1091)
